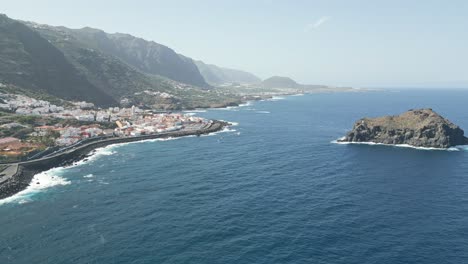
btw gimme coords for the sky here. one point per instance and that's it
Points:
(345, 43)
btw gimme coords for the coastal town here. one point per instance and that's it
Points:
(40, 127)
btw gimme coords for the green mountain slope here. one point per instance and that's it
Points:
(146, 56)
(111, 74)
(106, 69)
(30, 61)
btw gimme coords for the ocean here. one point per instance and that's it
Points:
(274, 188)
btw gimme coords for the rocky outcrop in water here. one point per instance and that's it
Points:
(419, 128)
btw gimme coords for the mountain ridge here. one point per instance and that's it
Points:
(144, 55)
(60, 62)
(30, 61)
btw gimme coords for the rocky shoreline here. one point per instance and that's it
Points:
(418, 128)
(25, 171)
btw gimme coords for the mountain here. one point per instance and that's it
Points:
(280, 82)
(30, 61)
(106, 72)
(216, 75)
(146, 56)
(118, 69)
(88, 64)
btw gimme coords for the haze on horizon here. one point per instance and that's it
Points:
(349, 43)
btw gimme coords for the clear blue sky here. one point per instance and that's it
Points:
(359, 43)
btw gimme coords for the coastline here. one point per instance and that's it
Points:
(22, 177)
(273, 96)
(25, 171)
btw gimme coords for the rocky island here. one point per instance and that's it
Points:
(418, 128)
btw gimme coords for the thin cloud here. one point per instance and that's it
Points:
(317, 23)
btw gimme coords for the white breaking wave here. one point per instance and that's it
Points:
(161, 139)
(229, 108)
(40, 182)
(225, 130)
(262, 112)
(234, 108)
(245, 104)
(232, 123)
(456, 148)
(95, 154)
(52, 178)
(277, 98)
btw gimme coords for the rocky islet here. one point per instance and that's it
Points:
(419, 128)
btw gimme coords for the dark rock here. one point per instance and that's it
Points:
(419, 128)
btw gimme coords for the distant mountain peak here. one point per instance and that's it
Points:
(280, 82)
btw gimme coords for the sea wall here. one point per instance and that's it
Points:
(27, 169)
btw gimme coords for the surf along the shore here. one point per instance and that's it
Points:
(18, 176)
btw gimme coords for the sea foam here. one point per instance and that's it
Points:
(39, 183)
(51, 178)
(232, 123)
(456, 148)
(225, 130)
(276, 98)
(234, 108)
(248, 103)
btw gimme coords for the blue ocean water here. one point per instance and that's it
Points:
(272, 190)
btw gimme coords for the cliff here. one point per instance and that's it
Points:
(28, 60)
(147, 56)
(419, 128)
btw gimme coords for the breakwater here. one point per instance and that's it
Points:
(26, 170)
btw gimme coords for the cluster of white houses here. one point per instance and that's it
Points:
(157, 123)
(69, 135)
(83, 111)
(134, 126)
(131, 121)
(25, 105)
